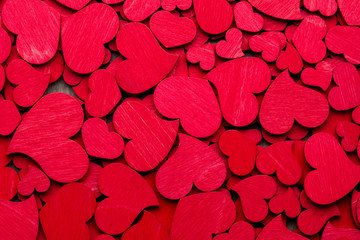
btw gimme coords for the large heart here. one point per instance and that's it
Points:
(44, 135)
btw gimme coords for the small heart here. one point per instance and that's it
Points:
(286, 200)
(240, 230)
(288, 10)
(350, 132)
(9, 117)
(34, 179)
(194, 162)
(213, 16)
(146, 64)
(128, 194)
(99, 141)
(290, 59)
(325, 185)
(350, 11)
(241, 151)
(8, 183)
(76, 5)
(37, 26)
(151, 140)
(83, 36)
(31, 84)
(347, 79)
(313, 219)
(211, 213)
(308, 39)
(193, 101)
(205, 55)
(139, 10)
(14, 213)
(5, 43)
(105, 93)
(317, 77)
(232, 46)
(331, 232)
(325, 7)
(170, 5)
(166, 28)
(253, 191)
(269, 43)
(246, 19)
(65, 215)
(287, 101)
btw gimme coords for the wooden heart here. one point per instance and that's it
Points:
(34, 179)
(286, 200)
(269, 44)
(139, 10)
(204, 55)
(350, 11)
(325, 7)
(290, 59)
(246, 19)
(350, 132)
(289, 10)
(232, 46)
(170, 5)
(240, 230)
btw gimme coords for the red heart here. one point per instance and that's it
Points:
(240, 230)
(151, 140)
(193, 101)
(280, 158)
(149, 227)
(44, 135)
(253, 191)
(5, 43)
(146, 64)
(326, 184)
(128, 194)
(308, 39)
(288, 10)
(330, 232)
(204, 54)
(32, 84)
(337, 41)
(76, 5)
(166, 28)
(325, 7)
(91, 179)
(287, 101)
(19, 220)
(347, 78)
(194, 162)
(313, 219)
(34, 179)
(213, 16)
(241, 151)
(65, 215)
(350, 11)
(37, 26)
(236, 81)
(105, 94)
(9, 117)
(211, 213)
(350, 132)
(246, 19)
(139, 10)
(99, 142)
(276, 229)
(170, 5)
(269, 43)
(286, 200)
(8, 183)
(290, 59)
(55, 67)
(231, 48)
(83, 47)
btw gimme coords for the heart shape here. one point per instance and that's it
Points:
(232, 46)
(269, 43)
(151, 140)
(149, 227)
(213, 16)
(347, 79)
(253, 191)
(286, 200)
(235, 82)
(99, 141)
(321, 76)
(211, 213)
(246, 19)
(31, 84)
(34, 179)
(313, 219)
(65, 215)
(8, 183)
(240, 230)
(350, 11)
(288, 10)
(166, 28)
(350, 132)
(308, 39)
(146, 64)
(44, 135)
(5, 43)
(76, 5)
(290, 59)
(37, 26)
(139, 10)
(128, 194)
(193, 101)
(287, 101)
(325, 7)
(331, 232)
(9, 117)
(13, 213)
(170, 5)
(83, 47)
(205, 55)
(334, 182)
(105, 93)
(241, 151)
(194, 162)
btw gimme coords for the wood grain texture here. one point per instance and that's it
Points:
(269, 44)
(286, 200)
(91, 178)
(350, 133)
(9, 117)
(239, 230)
(350, 10)
(193, 101)
(55, 67)
(204, 55)
(5, 43)
(44, 136)
(8, 183)
(231, 47)
(290, 59)
(37, 26)
(170, 5)
(34, 179)
(332, 232)
(76, 5)
(289, 10)
(246, 19)
(139, 10)
(325, 7)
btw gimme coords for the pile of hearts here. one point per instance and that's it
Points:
(183, 119)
